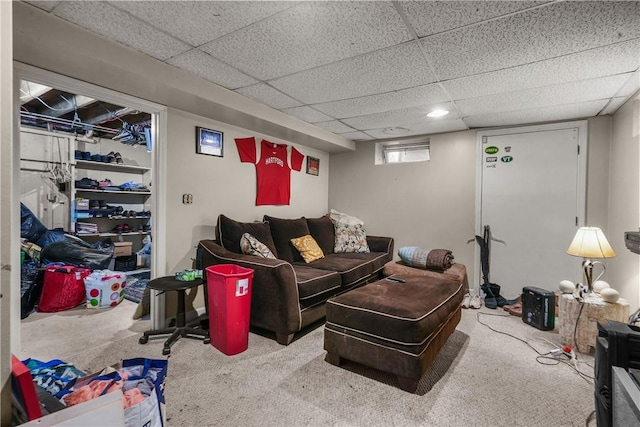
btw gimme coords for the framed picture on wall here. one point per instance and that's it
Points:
(209, 142)
(313, 165)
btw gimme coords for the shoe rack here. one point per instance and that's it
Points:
(112, 208)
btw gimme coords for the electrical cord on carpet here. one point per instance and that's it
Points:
(551, 355)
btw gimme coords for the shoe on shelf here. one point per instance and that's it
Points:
(118, 157)
(476, 302)
(466, 300)
(126, 228)
(117, 229)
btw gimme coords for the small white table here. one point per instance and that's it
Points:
(595, 310)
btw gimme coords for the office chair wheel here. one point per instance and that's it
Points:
(143, 339)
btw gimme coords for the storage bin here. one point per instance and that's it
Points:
(125, 263)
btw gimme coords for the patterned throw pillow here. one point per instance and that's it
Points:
(350, 238)
(252, 246)
(308, 248)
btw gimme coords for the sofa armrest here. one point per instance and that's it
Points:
(381, 244)
(274, 296)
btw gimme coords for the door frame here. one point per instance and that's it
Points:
(159, 158)
(581, 203)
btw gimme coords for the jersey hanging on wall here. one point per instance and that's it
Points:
(273, 173)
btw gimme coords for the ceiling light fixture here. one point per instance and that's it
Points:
(437, 113)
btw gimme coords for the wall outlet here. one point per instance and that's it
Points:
(187, 199)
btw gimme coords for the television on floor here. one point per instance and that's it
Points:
(618, 344)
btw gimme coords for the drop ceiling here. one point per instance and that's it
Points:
(372, 70)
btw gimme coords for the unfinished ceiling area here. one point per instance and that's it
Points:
(52, 109)
(373, 69)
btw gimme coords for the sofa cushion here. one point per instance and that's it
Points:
(324, 232)
(308, 248)
(230, 232)
(376, 260)
(252, 246)
(283, 230)
(313, 282)
(351, 269)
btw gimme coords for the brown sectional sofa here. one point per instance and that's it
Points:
(289, 294)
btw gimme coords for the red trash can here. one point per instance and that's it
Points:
(229, 294)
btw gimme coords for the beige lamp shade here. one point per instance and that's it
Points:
(589, 242)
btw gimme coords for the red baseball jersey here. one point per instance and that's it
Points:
(273, 173)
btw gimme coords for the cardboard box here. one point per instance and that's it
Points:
(122, 248)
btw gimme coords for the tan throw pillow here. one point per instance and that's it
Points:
(252, 246)
(308, 248)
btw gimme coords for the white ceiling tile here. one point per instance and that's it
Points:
(537, 115)
(197, 22)
(45, 5)
(310, 34)
(553, 30)
(424, 128)
(307, 114)
(567, 93)
(613, 105)
(416, 96)
(431, 17)
(399, 117)
(613, 59)
(203, 65)
(631, 86)
(114, 24)
(267, 95)
(386, 70)
(335, 126)
(357, 136)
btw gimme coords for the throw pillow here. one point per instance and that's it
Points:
(345, 218)
(252, 246)
(308, 248)
(350, 238)
(324, 233)
(230, 232)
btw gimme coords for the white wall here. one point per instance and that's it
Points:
(624, 201)
(428, 204)
(224, 185)
(432, 204)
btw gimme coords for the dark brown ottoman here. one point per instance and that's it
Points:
(394, 327)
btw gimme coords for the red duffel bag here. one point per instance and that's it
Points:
(63, 288)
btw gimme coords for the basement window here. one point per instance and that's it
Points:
(402, 151)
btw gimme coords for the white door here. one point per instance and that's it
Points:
(532, 195)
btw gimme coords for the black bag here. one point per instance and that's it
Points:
(30, 227)
(75, 251)
(31, 282)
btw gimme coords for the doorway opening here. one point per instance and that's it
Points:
(71, 133)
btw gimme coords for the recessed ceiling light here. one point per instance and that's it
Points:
(437, 113)
(396, 131)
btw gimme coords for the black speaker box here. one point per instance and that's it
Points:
(618, 344)
(538, 308)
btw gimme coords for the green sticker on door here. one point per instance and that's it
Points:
(506, 159)
(491, 150)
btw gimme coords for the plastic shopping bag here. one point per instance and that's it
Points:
(147, 376)
(63, 288)
(104, 288)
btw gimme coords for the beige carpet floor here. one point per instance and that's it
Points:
(480, 378)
